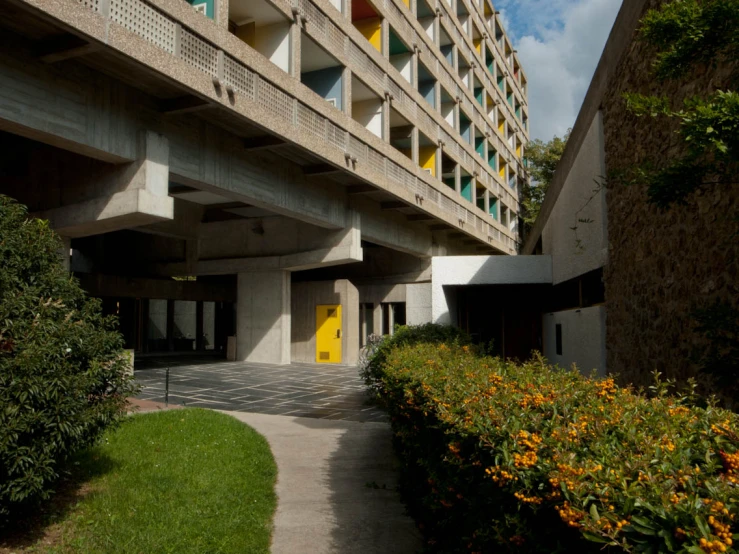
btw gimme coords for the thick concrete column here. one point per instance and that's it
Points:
(263, 317)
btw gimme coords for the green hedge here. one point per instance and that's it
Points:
(62, 376)
(528, 458)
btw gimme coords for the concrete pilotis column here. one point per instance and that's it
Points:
(390, 319)
(377, 319)
(263, 317)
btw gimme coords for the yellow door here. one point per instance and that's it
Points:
(328, 333)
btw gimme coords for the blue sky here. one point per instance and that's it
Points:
(559, 43)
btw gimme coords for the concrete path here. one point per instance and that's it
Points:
(335, 487)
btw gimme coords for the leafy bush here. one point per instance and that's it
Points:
(374, 355)
(63, 377)
(529, 458)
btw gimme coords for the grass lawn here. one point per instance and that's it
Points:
(174, 481)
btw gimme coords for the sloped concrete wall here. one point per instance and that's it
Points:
(576, 233)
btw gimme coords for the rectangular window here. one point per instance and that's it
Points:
(558, 331)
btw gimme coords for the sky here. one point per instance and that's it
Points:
(559, 43)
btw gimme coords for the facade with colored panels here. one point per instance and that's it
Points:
(263, 178)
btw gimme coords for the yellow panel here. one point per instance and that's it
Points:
(502, 169)
(371, 30)
(247, 33)
(501, 124)
(407, 3)
(427, 158)
(478, 45)
(328, 333)
(518, 150)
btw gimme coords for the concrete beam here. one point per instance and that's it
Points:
(393, 205)
(185, 225)
(97, 284)
(269, 244)
(184, 104)
(123, 197)
(262, 143)
(320, 169)
(360, 189)
(65, 47)
(420, 217)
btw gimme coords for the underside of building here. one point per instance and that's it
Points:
(215, 204)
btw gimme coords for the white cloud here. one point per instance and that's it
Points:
(559, 44)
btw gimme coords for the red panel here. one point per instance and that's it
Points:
(361, 9)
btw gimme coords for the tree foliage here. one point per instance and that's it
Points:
(687, 34)
(63, 377)
(542, 158)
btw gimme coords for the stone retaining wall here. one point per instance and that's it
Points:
(662, 265)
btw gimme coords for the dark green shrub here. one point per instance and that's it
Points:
(500, 457)
(378, 347)
(63, 375)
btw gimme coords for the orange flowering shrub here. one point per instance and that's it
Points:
(529, 458)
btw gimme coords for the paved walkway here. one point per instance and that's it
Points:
(335, 487)
(300, 390)
(336, 468)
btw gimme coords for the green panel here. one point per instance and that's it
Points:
(501, 83)
(481, 203)
(449, 181)
(492, 157)
(493, 209)
(207, 5)
(478, 95)
(396, 45)
(480, 146)
(467, 188)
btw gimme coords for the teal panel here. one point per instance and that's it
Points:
(478, 95)
(207, 5)
(480, 146)
(493, 208)
(467, 188)
(492, 158)
(481, 203)
(501, 83)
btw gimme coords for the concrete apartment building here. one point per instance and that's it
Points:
(282, 172)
